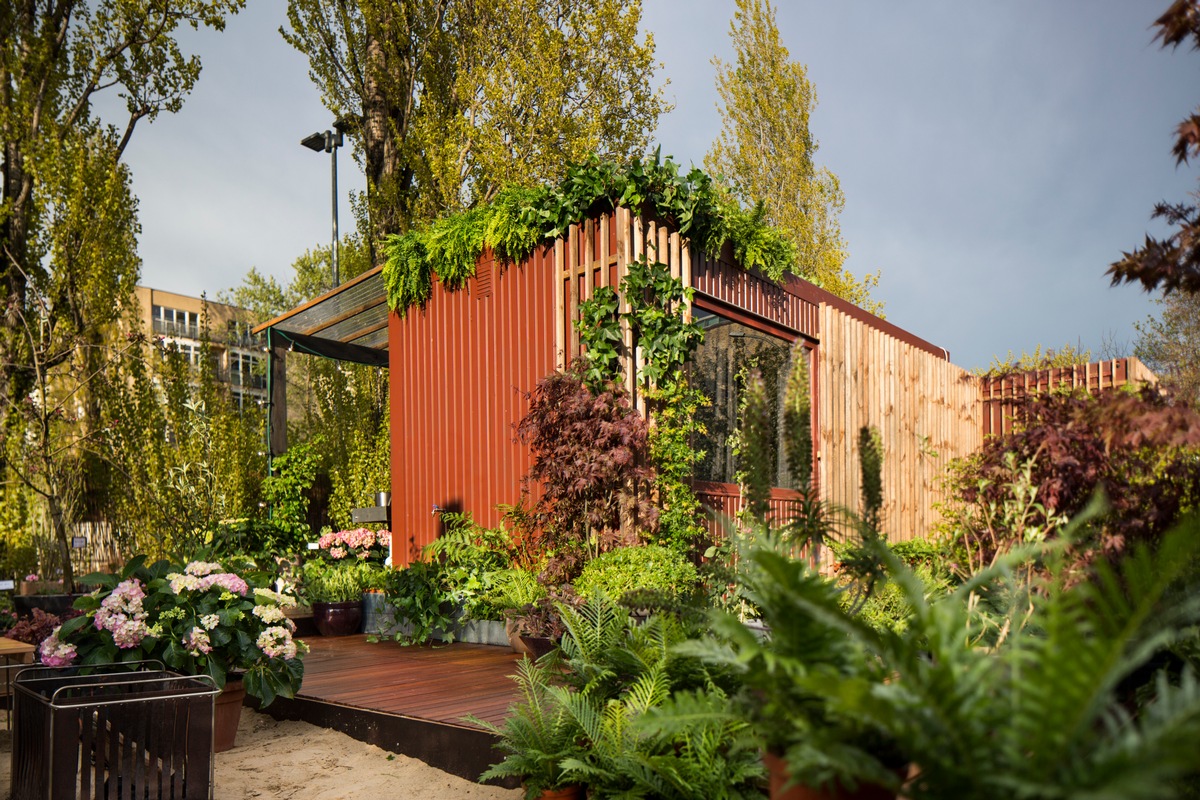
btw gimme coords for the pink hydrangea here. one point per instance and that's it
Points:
(227, 581)
(277, 642)
(32, 577)
(122, 615)
(56, 653)
(197, 642)
(201, 568)
(358, 542)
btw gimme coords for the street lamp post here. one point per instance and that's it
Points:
(329, 141)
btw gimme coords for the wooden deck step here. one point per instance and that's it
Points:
(407, 699)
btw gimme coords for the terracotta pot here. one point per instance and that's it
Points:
(777, 770)
(573, 792)
(338, 619)
(227, 710)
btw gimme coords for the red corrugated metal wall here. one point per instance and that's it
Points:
(460, 370)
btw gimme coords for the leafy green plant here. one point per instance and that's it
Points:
(656, 723)
(421, 604)
(469, 557)
(520, 219)
(513, 589)
(332, 582)
(538, 734)
(783, 674)
(287, 493)
(1043, 710)
(646, 567)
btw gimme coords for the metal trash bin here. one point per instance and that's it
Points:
(111, 733)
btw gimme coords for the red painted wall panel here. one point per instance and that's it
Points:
(460, 370)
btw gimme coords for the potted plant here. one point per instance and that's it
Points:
(335, 592)
(347, 563)
(535, 629)
(538, 735)
(198, 619)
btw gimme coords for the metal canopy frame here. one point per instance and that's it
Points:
(354, 313)
(347, 323)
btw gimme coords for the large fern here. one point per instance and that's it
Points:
(1043, 711)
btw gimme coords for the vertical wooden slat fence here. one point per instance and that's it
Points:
(1000, 394)
(598, 252)
(925, 408)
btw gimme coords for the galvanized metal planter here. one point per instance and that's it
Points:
(145, 734)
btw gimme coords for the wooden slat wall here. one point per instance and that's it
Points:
(1000, 394)
(598, 252)
(926, 410)
(720, 279)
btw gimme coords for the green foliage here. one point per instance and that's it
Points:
(469, 558)
(599, 326)
(448, 102)
(782, 674)
(367, 470)
(288, 491)
(338, 582)
(1048, 358)
(1168, 345)
(538, 734)
(513, 589)
(676, 425)
(656, 724)
(767, 153)
(646, 567)
(870, 458)
(656, 305)
(421, 603)
(755, 442)
(181, 458)
(68, 227)
(797, 422)
(1069, 731)
(657, 302)
(652, 187)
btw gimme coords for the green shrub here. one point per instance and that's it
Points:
(648, 567)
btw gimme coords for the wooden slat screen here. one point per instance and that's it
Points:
(999, 395)
(926, 410)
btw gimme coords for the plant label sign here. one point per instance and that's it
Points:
(78, 542)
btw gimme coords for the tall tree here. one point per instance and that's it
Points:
(1174, 262)
(1170, 345)
(448, 100)
(766, 151)
(68, 221)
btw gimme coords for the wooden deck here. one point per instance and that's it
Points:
(408, 700)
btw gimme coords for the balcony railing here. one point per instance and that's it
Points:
(231, 338)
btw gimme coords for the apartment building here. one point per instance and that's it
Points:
(238, 357)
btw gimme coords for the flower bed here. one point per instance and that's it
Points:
(198, 619)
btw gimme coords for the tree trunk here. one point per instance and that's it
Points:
(58, 523)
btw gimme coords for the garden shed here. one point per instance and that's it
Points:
(462, 365)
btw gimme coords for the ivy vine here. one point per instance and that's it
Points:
(520, 219)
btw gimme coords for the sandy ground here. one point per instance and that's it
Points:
(296, 760)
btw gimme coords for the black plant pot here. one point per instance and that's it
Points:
(55, 604)
(338, 619)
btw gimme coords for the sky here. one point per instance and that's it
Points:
(995, 157)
